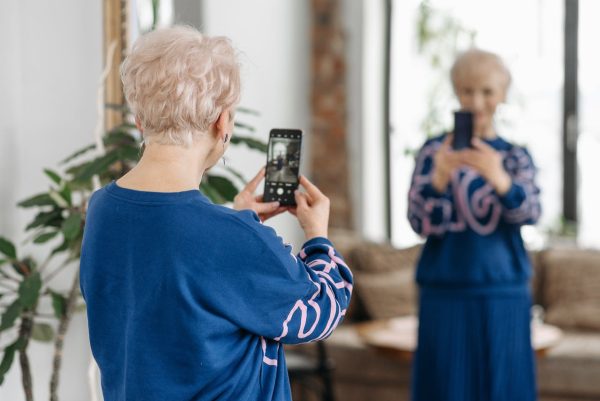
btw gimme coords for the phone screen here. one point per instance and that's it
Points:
(463, 129)
(283, 166)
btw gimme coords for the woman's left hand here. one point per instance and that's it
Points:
(247, 200)
(488, 163)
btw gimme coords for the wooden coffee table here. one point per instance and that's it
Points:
(397, 337)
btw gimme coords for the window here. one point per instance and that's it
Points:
(530, 38)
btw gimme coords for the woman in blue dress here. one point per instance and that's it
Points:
(474, 340)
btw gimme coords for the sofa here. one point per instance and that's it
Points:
(566, 285)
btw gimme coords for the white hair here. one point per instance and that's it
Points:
(178, 81)
(474, 60)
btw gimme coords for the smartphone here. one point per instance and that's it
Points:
(463, 129)
(283, 166)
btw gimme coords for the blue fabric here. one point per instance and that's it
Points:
(474, 346)
(473, 235)
(188, 300)
(474, 340)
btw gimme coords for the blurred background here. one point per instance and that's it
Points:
(367, 82)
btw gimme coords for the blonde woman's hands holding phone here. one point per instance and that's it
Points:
(312, 210)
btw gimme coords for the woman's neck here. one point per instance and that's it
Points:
(168, 168)
(486, 133)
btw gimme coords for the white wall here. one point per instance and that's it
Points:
(273, 37)
(373, 124)
(48, 85)
(51, 58)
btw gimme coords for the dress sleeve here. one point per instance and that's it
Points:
(521, 204)
(281, 296)
(429, 212)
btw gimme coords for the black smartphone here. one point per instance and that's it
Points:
(283, 166)
(463, 129)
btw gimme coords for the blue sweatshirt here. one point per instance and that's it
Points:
(473, 234)
(190, 301)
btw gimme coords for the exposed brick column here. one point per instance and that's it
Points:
(329, 163)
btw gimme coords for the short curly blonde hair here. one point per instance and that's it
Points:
(178, 81)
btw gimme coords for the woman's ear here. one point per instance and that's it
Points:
(138, 124)
(222, 125)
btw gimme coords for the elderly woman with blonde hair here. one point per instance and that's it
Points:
(474, 339)
(187, 300)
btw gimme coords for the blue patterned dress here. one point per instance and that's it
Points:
(474, 341)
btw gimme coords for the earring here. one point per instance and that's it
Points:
(226, 138)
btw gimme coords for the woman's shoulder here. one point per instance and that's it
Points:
(250, 233)
(511, 148)
(435, 140)
(431, 145)
(244, 222)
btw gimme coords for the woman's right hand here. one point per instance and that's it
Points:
(445, 161)
(312, 210)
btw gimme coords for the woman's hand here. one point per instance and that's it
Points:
(247, 200)
(445, 161)
(312, 210)
(488, 163)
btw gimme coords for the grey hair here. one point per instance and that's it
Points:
(178, 81)
(474, 57)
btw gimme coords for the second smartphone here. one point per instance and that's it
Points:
(283, 166)
(463, 129)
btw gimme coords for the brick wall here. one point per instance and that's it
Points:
(329, 162)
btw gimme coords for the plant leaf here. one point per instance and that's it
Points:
(237, 174)
(97, 166)
(45, 237)
(7, 360)
(10, 315)
(244, 126)
(119, 136)
(53, 176)
(42, 332)
(250, 142)
(8, 248)
(17, 268)
(130, 153)
(44, 218)
(42, 199)
(247, 111)
(62, 247)
(29, 290)
(59, 304)
(72, 226)
(78, 153)
(58, 199)
(9, 355)
(211, 193)
(65, 192)
(223, 186)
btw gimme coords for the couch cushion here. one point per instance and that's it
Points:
(572, 367)
(389, 294)
(571, 288)
(384, 279)
(377, 258)
(569, 371)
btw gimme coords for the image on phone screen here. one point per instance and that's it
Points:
(283, 166)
